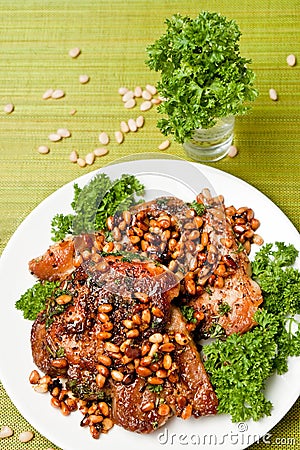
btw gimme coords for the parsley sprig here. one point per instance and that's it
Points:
(203, 75)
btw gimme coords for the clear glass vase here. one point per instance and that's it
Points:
(211, 144)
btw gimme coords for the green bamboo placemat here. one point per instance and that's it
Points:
(36, 37)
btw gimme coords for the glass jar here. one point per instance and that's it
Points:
(211, 144)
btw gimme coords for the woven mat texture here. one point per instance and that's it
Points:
(35, 38)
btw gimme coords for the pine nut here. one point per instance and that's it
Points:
(273, 94)
(132, 125)
(117, 375)
(164, 145)
(119, 137)
(103, 138)
(291, 60)
(131, 334)
(73, 112)
(233, 151)
(140, 121)
(147, 407)
(9, 108)
(90, 158)
(163, 410)
(74, 52)
(156, 101)
(127, 96)
(26, 436)
(181, 339)
(105, 308)
(155, 380)
(146, 316)
(167, 362)
(103, 335)
(59, 363)
(43, 149)
(146, 105)
(127, 217)
(83, 79)
(122, 90)
(5, 432)
(138, 92)
(104, 409)
(107, 424)
(130, 103)
(73, 156)
(63, 299)
(187, 412)
(146, 95)
(156, 338)
(55, 402)
(143, 371)
(100, 151)
(47, 94)
(152, 89)
(34, 377)
(41, 388)
(104, 359)
(100, 380)
(57, 93)
(128, 323)
(157, 312)
(110, 347)
(257, 239)
(54, 137)
(95, 419)
(64, 409)
(124, 127)
(95, 433)
(167, 347)
(63, 132)
(161, 373)
(153, 350)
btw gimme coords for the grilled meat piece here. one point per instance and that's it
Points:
(89, 320)
(193, 389)
(240, 295)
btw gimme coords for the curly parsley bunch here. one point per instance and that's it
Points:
(203, 76)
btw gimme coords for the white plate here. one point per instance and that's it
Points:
(175, 177)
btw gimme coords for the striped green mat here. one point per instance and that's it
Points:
(35, 38)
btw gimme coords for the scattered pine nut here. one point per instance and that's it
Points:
(124, 127)
(132, 125)
(43, 149)
(140, 121)
(73, 156)
(63, 132)
(273, 94)
(119, 137)
(103, 138)
(100, 151)
(73, 111)
(8, 109)
(156, 101)
(233, 151)
(138, 92)
(58, 93)
(5, 432)
(127, 96)
(130, 103)
(291, 60)
(83, 79)
(151, 89)
(74, 52)
(47, 94)
(122, 90)
(26, 436)
(164, 145)
(90, 158)
(146, 105)
(81, 162)
(54, 137)
(146, 95)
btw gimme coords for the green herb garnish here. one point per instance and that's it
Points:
(203, 76)
(188, 313)
(198, 207)
(239, 366)
(94, 203)
(33, 301)
(156, 388)
(224, 308)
